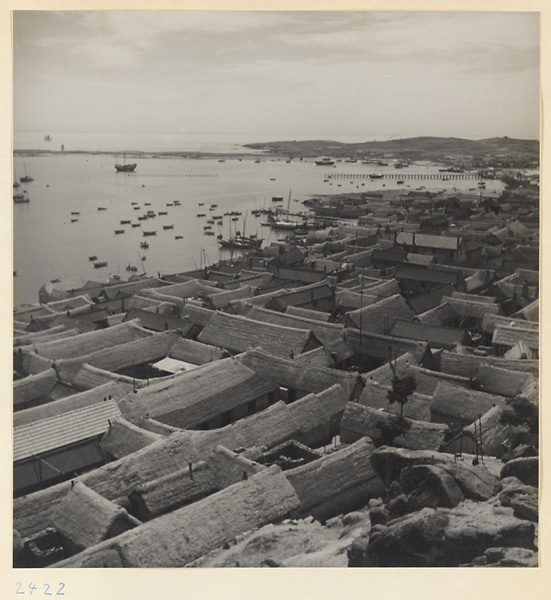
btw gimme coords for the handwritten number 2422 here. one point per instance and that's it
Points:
(46, 592)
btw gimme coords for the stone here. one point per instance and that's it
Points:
(526, 507)
(357, 553)
(444, 537)
(526, 469)
(399, 506)
(476, 482)
(379, 515)
(513, 489)
(506, 557)
(430, 486)
(524, 450)
(388, 462)
(394, 491)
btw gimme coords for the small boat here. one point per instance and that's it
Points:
(147, 203)
(101, 208)
(92, 258)
(272, 179)
(168, 226)
(74, 220)
(208, 232)
(163, 212)
(75, 213)
(169, 204)
(201, 204)
(257, 160)
(26, 178)
(221, 160)
(207, 227)
(325, 162)
(124, 168)
(201, 215)
(20, 198)
(16, 184)
(119, 231)
(277, 198)
(177, 203)
(375, 176)
(179, 237)
(125, 222)
(142, 218)
(131, 268)
(133, 203)
(57, 280)
(399, 182)
(98, 265)
(235, 218)
(144, 245)
(136, 224)
(150, 233)
(48, 138)
(136, 207)
(211, 221)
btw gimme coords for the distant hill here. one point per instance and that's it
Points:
(418, 148)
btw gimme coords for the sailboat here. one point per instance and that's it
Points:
(285, 223)
(125, 168)
(26, 178)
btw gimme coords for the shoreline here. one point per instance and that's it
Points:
(148, 154)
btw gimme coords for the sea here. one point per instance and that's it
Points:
(57, 232)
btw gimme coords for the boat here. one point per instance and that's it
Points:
(382, 163)
(150, 233)
(169, 204)
(240, 242)
(56, 280)
(142, 218)
(325, 162)
(177, 203)
(207, 227)
(201, 215)
(163, 212)
(125, 222)
(400, 181)
(98, 265)
(277, 198)
(147, 203)
(144, 245)
(74, 220)
(131, 268)
(208, 232)
(221, 160)
(481, 184)
(136, 207)
(48, 138)
(168, 226)
(257, 160)
(179, 237)
(119, 231)
(136, 224)
(20, 198)
(101, 208)
(375, 176)
(125, 168)
(92, 258)
(26, 178)
(16, 184)
(272, 178)
(75, 212)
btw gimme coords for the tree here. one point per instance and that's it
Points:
(402, 388)
(521, 411)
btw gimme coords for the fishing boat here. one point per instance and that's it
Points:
(20, 198)
(125, 222)
(240, 242)
(125, 168)
(131, 268)
(48, 138)
(119, 231)
(179, 237)
(277, 198)
(144, 245)
(150, 233)
(375, 176)
(101, 208)
(26, 178)
(99, 265)
(201, 215)
(168, 226)
(163, 212)
(75, 212)
(325, 162)
(136, 224)
(92, 258)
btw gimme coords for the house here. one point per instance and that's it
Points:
(437, 337)
(316, 296)
(380, 316)
(414, 280)
(237, 334)
(468, 365)
(375, 395)
(444, 249)
(459, 407)
(210, 396)
(158, 322)
(34, 389)
(84, 519)
(505, 338)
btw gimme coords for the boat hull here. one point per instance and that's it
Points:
(126, 168)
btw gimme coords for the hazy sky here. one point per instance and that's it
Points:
(446, 74)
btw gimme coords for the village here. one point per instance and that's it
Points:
(371, 387)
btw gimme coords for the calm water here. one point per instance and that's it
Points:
(47, 245)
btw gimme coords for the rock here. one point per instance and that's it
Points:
(399, 506)
(445, 537)
(430, 486)
(524, 450)
(270, 562)
(513, 489)
(526, 469)
(526, 507)
(373, 502)
(378, 515)
(394, 491)
(388, 462)
(357, 553)
(476, 482)
(353, 517)
(506, 557)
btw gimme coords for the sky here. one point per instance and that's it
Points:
(470, 75)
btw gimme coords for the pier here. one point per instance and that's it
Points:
(404, 176)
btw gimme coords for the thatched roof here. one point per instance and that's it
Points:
(530, 312)
(307, 313)
(347, 299)
(375, 395)
(150, 304)
(196, 314)
(195, 352)
(384, 374)
(237, 334)
(184, 535)
(192, 398)
(87, 343)
(490, 322)
(158, 322)
(361, 421)
(51, 426)
(423, 303)
(510, 336)
(221, 299)
(427, 379)
(382, 288)
(468, 365)
(296, 375)
(337, 483)
(47, 335)
(379, 317)
(305, 295)
(377, 346)
(25, 315)
(87, 377)
(503, 382)
(174, 490)
(188, 289)
(33, 387)
(86, 519)
(471, 308)
(229, 467)
(455, 405)
(437, 337)
(123, 438)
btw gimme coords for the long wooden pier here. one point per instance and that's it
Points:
(404, 176)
